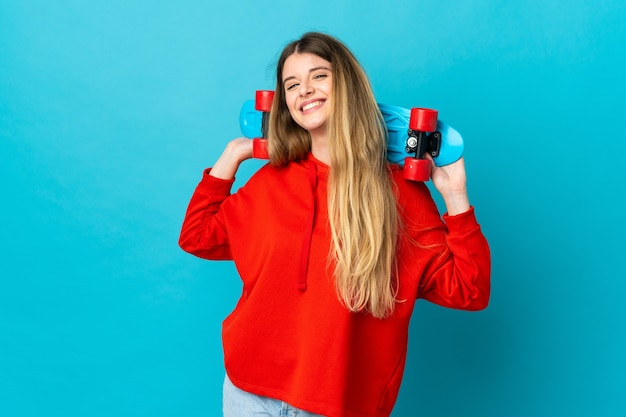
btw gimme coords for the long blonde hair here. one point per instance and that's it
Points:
(362, 208)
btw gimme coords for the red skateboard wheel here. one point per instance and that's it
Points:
(423, 120)
(416, 169)
(263, 100)
(259, 148)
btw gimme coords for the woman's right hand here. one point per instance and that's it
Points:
(237, 151)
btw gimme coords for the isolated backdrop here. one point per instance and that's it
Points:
(110, 110)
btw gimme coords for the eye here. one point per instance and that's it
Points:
(320, 76)
(291, 86)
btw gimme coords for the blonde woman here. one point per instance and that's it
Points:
(333, 247)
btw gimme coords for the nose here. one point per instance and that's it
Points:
(305, 89)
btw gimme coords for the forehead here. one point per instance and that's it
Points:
(302, 63)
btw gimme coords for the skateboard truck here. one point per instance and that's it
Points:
(262, 103)
(423, 138)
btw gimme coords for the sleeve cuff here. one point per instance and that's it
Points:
(216, 185)
(461, 223)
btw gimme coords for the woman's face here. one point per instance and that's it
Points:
(308, 85)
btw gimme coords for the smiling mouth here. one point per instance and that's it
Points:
(312, 105)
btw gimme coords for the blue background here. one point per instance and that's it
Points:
(110, 110)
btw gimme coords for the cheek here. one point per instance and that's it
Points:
(291, 105)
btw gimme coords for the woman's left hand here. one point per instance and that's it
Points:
(451, 182)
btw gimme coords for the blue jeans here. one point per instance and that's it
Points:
(239, 403)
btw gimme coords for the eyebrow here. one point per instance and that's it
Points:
(310, 71)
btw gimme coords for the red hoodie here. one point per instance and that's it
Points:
(289, 337)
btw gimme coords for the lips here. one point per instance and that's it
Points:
(311, 105)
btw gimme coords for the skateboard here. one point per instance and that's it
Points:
(411, 134)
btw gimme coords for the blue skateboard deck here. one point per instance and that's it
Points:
(250, 120)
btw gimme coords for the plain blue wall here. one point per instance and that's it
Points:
(110, 110)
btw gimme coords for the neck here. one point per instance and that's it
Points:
(320, 148)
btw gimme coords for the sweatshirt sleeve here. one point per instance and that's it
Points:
(458, 276)
(203, 232)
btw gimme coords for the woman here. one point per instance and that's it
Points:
(333, 246)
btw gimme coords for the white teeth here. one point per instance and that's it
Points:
(311, 105)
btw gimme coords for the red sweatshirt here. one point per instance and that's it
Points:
(289, 337)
